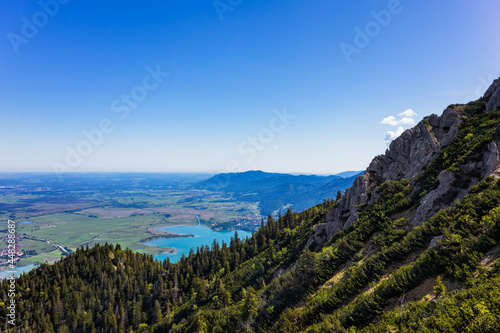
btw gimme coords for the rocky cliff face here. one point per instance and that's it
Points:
(493, 93)
(448, 191)
(407, 158)
(415, 148)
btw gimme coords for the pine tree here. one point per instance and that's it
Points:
(157, 312)
(439, 288)
(250, 308)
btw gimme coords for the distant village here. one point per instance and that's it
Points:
(4, 254)
(6, 258)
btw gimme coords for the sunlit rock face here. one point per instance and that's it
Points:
(407, 157)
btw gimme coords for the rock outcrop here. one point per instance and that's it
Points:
(437, 199)
(435, 240)
(493, 93)
(451, 184)
(346, 212)
(413, 150)
(407, 158)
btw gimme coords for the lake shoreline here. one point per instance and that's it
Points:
(191, 237)
(158, 234)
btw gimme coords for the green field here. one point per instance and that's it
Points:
(86, 217)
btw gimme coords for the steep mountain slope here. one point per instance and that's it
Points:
(417, 153)
(276, 191)
(412, 246)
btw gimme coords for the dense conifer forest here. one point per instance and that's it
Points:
(377, 275)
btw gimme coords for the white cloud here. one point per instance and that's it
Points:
(406, 121)
(405, 118)
(391, 135)
(391, 120)
(408, 113)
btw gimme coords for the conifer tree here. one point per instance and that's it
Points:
(157, 312)
(439, 288)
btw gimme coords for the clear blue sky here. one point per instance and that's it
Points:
(228, 79)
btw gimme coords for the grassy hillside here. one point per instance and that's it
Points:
(377, 275)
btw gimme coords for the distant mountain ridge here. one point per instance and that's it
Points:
(348, 174)
(279, 191)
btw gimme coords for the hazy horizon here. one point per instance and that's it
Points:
(289, 87)
(161, 173)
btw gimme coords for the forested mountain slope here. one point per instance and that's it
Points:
(412, 246)
(277, 191)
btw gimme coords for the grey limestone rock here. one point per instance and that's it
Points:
(493, 93)
(407, 157)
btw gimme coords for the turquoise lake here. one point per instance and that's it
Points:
(203, 236)
(19, 270)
